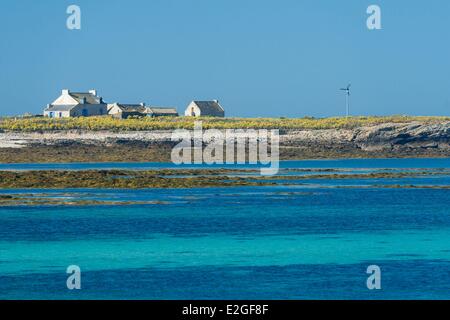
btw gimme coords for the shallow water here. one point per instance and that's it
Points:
(310, 241)
(338, 163)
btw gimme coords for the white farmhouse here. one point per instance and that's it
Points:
(76, 104)
(204, 109)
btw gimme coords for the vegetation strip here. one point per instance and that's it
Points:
(120, 179)
(169, 123)
(175, 178)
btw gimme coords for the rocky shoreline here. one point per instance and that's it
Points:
(412, 139)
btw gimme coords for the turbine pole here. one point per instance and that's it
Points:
(347, 98)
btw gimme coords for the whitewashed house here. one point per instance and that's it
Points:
(204, 109)
(76, 104)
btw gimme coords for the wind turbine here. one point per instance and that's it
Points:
(347, 98)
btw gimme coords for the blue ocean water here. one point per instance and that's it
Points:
(337, 163)
(309, 241)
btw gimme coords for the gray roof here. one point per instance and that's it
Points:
(209, 106)
(131, 107)
(60, 107)
(90, 98)
(162, 110)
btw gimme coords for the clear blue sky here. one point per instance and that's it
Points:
(260, 58)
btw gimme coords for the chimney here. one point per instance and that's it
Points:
(142, 104)
(83, 100)
(65, 91)
(216, 101)
(100, 100)
(93, 92)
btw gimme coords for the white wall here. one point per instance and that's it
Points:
(57, 114)
(188, 111)
(64, 99)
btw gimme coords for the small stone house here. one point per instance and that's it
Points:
(204, 109)
(76, 104)
(124, 111)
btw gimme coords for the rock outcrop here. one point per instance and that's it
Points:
(383, 137)
(384, 140)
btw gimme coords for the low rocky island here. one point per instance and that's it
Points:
(149, 140)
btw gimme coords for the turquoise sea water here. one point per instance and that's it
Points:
(309, 241)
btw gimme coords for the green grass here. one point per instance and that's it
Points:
(167, 123)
